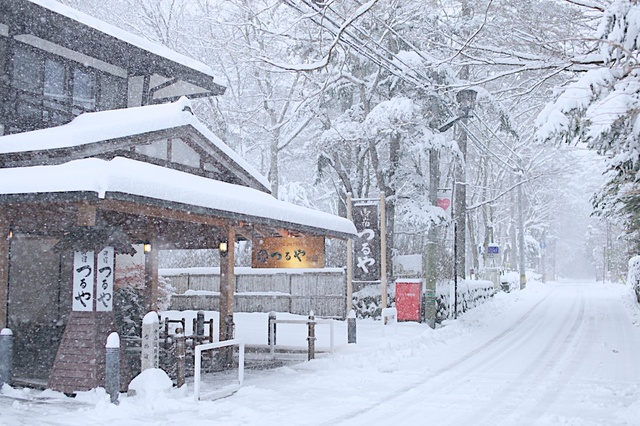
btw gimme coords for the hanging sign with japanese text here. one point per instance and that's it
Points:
(288, 252)
(366, 245)
(83, 279)
(104, 291)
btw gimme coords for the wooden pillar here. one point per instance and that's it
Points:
(4, 269)
(151, 274)
(227, 286)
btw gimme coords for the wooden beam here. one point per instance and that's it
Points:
(86, 214)
(4, 269)
(159, 212)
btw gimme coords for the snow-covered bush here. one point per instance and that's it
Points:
(471, 293)
(367, 302)
(633, 275)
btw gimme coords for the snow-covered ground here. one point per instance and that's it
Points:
(560, 353)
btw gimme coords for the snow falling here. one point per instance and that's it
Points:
(483, 152)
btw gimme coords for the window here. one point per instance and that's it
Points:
(27, 71)
(83, 89)
(112, 92)
(156, 149)
(54, 77)
(184, 154)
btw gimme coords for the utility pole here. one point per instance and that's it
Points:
(521, 254)
(466, 99)
(430, 257)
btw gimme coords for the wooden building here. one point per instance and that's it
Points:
(102, 155)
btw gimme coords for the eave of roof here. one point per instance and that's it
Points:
(130, 180)
(102, 126)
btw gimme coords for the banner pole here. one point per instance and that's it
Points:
(383, 250)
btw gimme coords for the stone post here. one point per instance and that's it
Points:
(351, 327)
(6, 356)
(112, 368)
(150, 341)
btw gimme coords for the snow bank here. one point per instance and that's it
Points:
(150, 383)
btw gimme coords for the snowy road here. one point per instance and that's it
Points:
(572, 357)
(564, 353)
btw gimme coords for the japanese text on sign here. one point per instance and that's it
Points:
(366, 245)
(290, 252)
(104, 290)
(83, 279)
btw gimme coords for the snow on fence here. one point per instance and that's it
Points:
(300, 291)
(262, 290)
(471, 293)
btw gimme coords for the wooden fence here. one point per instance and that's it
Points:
(297, 291)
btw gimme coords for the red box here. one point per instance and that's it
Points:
(409, 300)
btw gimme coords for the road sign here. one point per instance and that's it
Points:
(493, 251)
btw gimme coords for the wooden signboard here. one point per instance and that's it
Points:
(288, 252)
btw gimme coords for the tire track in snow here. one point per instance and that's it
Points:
(472, 355)
(532, 378)
(572, 363)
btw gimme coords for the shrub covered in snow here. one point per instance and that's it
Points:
(367, 302)
(633, 275)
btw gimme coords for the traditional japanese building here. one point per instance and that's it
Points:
(101, 156)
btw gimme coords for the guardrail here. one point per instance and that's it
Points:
(227, 390)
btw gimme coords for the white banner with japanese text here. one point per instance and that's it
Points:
(105, 268)
(83, 279)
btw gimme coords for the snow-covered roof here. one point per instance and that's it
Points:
(113, 124)
(122, 35)
(183, 191)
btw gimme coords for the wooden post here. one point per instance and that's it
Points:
(5, 231)
(227, 286)
(349, 258)
(180, 356)
(383, 249)
(151, 276)
(311, 338)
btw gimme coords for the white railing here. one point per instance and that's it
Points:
(227, 390)
(272, 332)
(390, 314)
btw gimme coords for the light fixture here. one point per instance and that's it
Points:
(147, 247)
(223, 246)
(10, 236)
